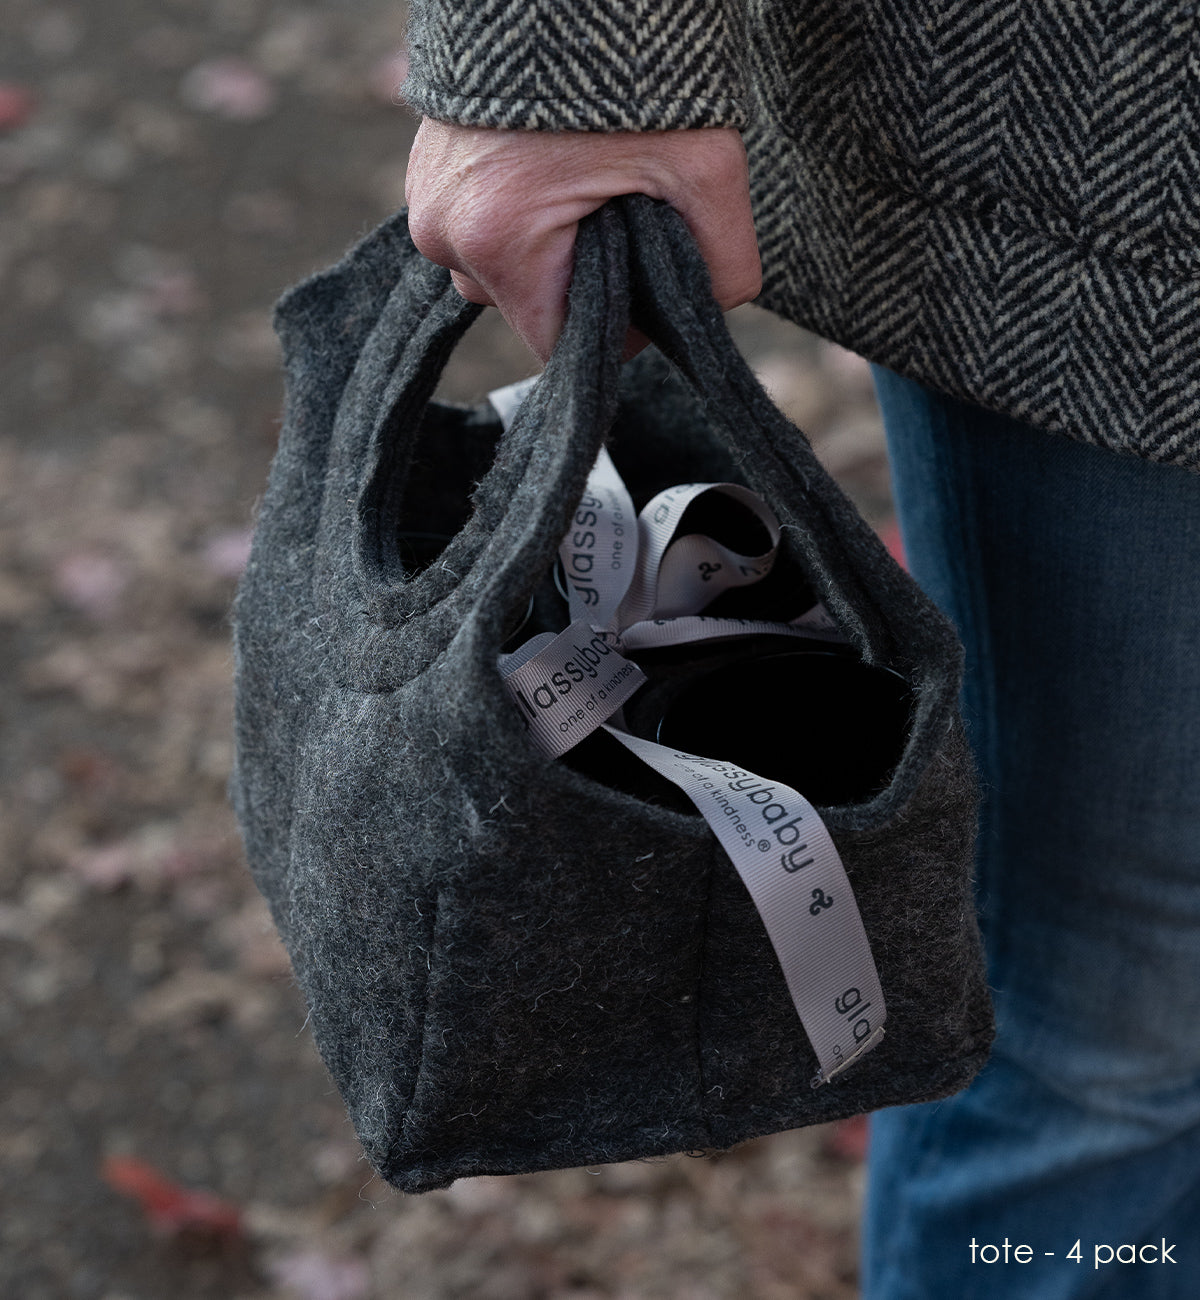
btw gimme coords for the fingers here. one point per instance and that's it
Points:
(500, 209)
(528, 277)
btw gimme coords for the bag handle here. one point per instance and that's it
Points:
(634, 252)
(872, 599)
(523, 503)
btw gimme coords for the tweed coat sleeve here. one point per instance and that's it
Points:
(578, 65)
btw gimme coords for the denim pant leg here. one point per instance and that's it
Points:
(1073, 574)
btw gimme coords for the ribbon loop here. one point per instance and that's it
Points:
(634, 583)
(684, 574)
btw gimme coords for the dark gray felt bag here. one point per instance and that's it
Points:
(510, 964)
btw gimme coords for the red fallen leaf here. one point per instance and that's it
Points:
(848, 1139)
(16, 105)
(169, 1207)
(92, 770)
(889, 535)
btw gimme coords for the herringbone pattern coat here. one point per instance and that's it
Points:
(1000, 199)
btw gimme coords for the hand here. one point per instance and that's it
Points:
(500, 209)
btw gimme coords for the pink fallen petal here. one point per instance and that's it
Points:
(183, 861)
(91, 582)
(387, 76)
(226, 553)
(108, 868)
(313, 1275)
(228, 87)
(174, 293)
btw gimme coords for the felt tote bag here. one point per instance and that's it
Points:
(516, 961)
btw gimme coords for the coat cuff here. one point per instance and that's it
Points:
(578, 65)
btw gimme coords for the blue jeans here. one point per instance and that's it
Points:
(1073, 575)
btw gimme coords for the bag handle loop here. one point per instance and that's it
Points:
(634, 252)
(541, 461)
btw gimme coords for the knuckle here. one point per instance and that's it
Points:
(479, 232)
(472, 243)
(426, 231)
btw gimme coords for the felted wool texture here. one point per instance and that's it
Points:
(511, 965)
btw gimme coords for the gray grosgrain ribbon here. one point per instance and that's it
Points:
(633, 582)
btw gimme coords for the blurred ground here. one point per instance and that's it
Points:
(167, 167)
